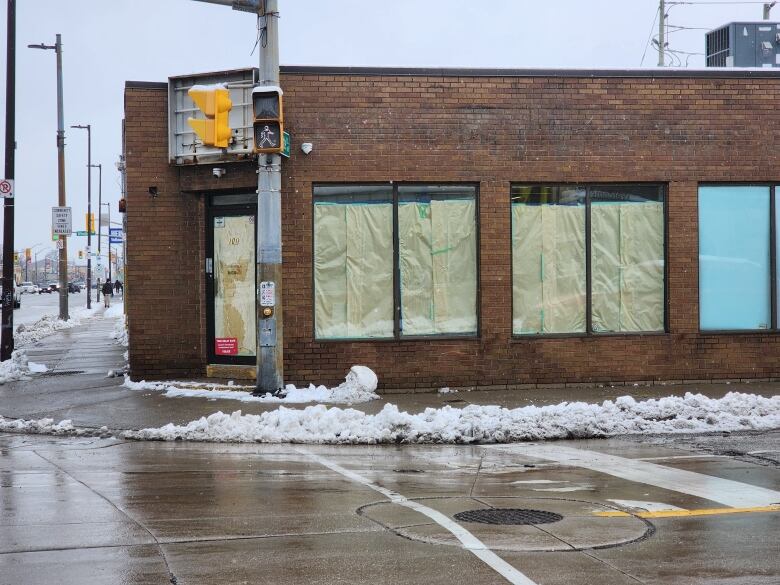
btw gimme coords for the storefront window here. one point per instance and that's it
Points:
(548, 259)
(353, 262)
(361, 265)
(627, 258)
(734, 257)
(437, 240)
(552, 287)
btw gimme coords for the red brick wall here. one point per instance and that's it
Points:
(491, 130)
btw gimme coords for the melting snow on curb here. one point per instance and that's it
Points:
(691, 413)
(19, 368)
(359, 386)
(28, 334)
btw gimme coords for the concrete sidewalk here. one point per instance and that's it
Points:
(77, 387)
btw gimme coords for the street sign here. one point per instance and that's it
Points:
(286, 145)
(6, 188)
(61, 221)
(83, 233)
(116, 236)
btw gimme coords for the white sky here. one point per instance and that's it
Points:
(109, 41)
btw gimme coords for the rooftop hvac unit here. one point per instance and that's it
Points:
(744, 44)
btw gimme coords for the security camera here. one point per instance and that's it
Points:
(217, 172)
(307, 147)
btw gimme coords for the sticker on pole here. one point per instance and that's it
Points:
(60, 244)
(267, 294)
(6, 188)
(226, 346)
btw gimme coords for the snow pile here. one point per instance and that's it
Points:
(116, 310)
(48, 324)
(482, 424)
(18, 368)
(359, 386)
(43, 426)
(47, 426)
(119, 334)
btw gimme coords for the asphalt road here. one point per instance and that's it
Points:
(656, 511)
(35, 306)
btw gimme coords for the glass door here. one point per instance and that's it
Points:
(230, 269)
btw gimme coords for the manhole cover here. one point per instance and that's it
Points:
(64, 372)
(508, 516)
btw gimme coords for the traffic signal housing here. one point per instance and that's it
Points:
(269, 119)
(214, 101)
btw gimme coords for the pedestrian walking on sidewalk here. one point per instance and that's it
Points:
(107, 290)
(117, 286)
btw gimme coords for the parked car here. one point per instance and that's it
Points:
(27, 287)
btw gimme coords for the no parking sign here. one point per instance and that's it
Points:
(6, 188)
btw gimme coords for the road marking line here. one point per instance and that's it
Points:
(643, 506)
(730, 493)
(682, 513)
(469, 541)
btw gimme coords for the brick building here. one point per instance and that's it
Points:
(475, 228)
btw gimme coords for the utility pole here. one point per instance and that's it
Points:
(270, 330)
(661, 33)
(7, 327)
(100, 230)
(88, 128)
(63, 252)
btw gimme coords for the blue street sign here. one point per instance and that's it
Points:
(115, 236)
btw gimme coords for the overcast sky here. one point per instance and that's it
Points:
(109, 41)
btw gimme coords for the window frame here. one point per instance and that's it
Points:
(663, 190)
(773, 259)
(397, 334)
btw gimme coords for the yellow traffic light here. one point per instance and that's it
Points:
(269, 119)
(28, 254)
(215, 103)
(90, 222)
(81, 254)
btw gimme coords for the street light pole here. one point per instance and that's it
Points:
(63, 252)
(100, 230)
(88, 128)
(7, 320)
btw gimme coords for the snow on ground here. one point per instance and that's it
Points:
(47, 426)
(119, 334)
(358, 387)
(18, 368)
(481, 424)
(27, 334)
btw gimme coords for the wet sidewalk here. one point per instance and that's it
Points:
(78, 387)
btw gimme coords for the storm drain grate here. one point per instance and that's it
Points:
(508, 516)
(64, 373)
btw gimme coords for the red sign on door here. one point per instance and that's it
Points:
(226, 346)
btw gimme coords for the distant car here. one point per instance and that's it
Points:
(73, 287)
(27, 287)
(44, 288)
(53, 286)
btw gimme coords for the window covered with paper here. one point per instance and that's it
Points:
(437, 239)
(353, 262)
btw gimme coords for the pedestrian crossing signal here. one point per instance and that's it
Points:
(269, 119)
(214, 102)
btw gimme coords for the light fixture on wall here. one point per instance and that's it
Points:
(307, 147)
(153, 192)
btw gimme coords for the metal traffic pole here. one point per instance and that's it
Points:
(63, 251)
(7, 328)
(99, 167)
(270, 355)
(88, 128)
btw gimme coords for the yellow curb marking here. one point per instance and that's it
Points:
(682, 513)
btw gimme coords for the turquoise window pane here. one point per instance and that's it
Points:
(734, 271)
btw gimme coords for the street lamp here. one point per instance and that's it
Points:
(109, 240)
(63, 251)
(99, 167)
(35, 254)
(88, 128)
